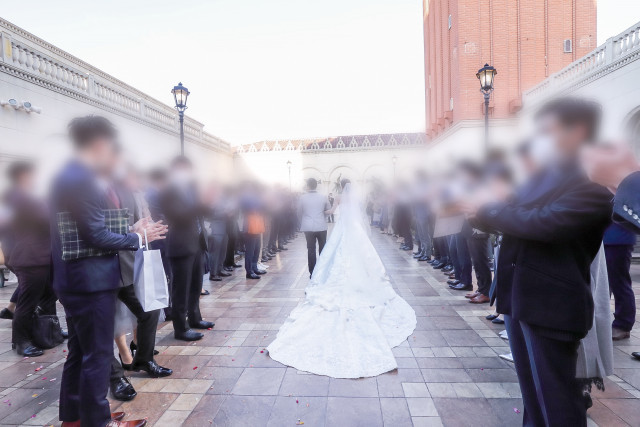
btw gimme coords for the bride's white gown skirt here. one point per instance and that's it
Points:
(351, 317)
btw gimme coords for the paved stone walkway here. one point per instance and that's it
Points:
(449, 370)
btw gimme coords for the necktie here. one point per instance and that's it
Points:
(113, 197)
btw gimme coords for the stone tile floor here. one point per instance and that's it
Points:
(449, 370)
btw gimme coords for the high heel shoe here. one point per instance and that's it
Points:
(125, 366)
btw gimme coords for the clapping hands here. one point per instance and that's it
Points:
(154, 230)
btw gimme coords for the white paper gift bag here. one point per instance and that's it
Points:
(149, 280)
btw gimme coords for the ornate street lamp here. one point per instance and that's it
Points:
(486, 75)
(180, 95)
(289, 166)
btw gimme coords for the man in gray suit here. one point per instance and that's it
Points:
(219, 214)
(312, 210)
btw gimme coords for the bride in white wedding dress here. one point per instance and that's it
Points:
(351, 317)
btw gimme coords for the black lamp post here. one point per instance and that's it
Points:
(486, 75)
(180, 95)
(289, 166)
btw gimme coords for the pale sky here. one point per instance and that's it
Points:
(265, 69)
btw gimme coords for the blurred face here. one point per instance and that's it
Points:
(182, 173)
(106, 157)
(26, 181)
(557, 139)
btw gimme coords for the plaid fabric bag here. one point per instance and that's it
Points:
(73, 247)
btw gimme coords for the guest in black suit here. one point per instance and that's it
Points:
(129, 197)
(186, 245)
(157, 184)
(30, 257)
(552, 231)
(87, 287)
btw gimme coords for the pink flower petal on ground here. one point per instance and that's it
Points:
(195, 367)
(261, 351)
(516, 410)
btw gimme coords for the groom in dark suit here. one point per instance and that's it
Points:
(87, 286)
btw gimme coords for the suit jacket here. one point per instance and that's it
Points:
(311, 210)
(551, 233)
(626, 206)
(29, 231)
(76, 190)
(127, 258)
(218, 216)
(184, 215)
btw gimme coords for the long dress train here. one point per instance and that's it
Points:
(351, 317)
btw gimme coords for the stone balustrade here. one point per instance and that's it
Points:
(32, 59)
(615, 52)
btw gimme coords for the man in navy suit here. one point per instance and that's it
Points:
(615, 167)
(87, 287)
(551, 231)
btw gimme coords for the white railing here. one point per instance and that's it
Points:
(604, 58)
(30, 58)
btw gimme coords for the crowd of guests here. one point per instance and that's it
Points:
(535, 226)
(78, 246)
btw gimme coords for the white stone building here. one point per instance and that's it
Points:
(42, 87)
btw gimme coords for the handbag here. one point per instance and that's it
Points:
(255, 223)
(47, 332)
(149, 279)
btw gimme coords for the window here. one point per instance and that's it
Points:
(567, 46)
(449, 21)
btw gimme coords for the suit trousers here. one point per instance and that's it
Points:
(187, 285)
(252, 252)
(478, 249)
(232, 243)
(546, 369)
(618, 264)
(217, 252)
(85, 377)
(146, 329)
(35, 290)
(422, 230)
(274, 232)
(312, 237)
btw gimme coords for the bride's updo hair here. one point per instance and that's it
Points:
(344, 182)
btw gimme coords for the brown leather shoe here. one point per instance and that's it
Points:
(118, 416)
(619, 334)
(71, 423)
(480, 299)
(472, 295)
(134, 423)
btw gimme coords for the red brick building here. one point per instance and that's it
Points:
(525, 40)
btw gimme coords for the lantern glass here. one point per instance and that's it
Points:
(486, 75)
(180, 94)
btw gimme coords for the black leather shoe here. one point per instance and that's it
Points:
(439, 266)
(453, 282)
(252, 276)
(225, 274)
(203, 324)
(65, 334)
(447, 268)
(462, 287)
(204, 292)
(283, 248)
(152, 368)
(228, 268)
(260, 272)
(5, 313)
(215, 278)
(236, 265)
(188, 335)
(123, 390)
(636, 355)
(264, 259)
(27, 349)
(424, 258)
